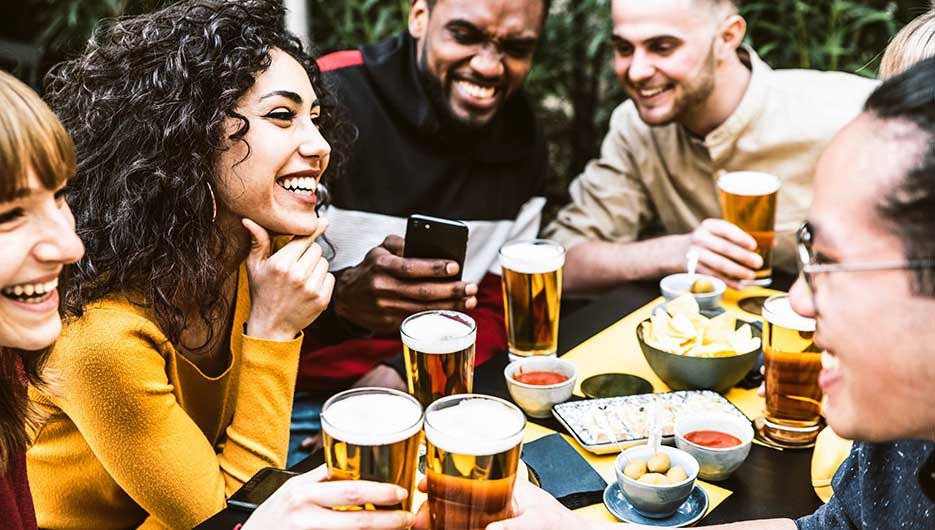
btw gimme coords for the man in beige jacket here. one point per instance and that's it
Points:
(700, 104)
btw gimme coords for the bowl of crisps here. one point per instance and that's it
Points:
(707, 290)
(689, 351)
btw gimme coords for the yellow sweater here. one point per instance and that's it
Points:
(136, 436)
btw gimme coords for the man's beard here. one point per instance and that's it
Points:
(695, 95)
(441, 103)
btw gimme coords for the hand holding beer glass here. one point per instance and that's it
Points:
(373, 434)
(748, 200)
(473, 449)
(532, 294)
(438, 347)
(792, 364)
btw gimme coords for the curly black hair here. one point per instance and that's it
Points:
(146, 104)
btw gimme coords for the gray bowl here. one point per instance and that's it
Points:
(675, 285)
(715, 464)
(537, 400)
(651, 500)
(682, 372)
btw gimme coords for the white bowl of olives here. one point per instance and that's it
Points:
(656, 484)
(707, 290)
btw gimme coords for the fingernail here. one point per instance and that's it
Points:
(470, 289)
(401, 494)
(451, 268)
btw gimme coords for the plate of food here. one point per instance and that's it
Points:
(607, 425)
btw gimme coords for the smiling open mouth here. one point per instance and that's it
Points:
(298, 185)
(647, 93)
(30, 293)
(474, 90)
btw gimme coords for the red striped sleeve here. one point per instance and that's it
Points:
(340, 59)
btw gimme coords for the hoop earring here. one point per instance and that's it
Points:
(323, 197)
(214, 204)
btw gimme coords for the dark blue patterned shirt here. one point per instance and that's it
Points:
(881, 486)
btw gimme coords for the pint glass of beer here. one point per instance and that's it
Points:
(532, 294)
(373, 434)
(748, 199)
(438, 347)
(473, 449)
(792, 365)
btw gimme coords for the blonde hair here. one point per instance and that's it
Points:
(916, 41)
(31, 138)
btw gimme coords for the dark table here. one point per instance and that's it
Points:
(770, 483)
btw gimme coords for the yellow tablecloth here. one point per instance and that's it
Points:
(616, 350)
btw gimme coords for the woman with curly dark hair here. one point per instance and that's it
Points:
(37, 239)
(198, 135)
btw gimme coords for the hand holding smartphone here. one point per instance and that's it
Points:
(436, 238)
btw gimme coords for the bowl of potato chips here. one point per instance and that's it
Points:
(689, 351)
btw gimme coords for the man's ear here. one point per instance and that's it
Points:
(418, 18)
(730, 35)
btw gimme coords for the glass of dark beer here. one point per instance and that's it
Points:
(473, 448)
(792, 365)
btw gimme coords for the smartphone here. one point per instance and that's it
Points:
(436, 238)
(259, 488)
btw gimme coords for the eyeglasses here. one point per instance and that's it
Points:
(808, 261)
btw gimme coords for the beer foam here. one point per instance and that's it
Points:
(476, 426)
(530, 257)
(748, 183)
(439, 332)
(780, 313)
(377, 418)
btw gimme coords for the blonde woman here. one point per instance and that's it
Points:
(916, 41)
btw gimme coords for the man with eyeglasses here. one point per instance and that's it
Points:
(867, 256)
(700, 103)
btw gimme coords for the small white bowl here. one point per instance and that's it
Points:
(652, 500)
(675, 285)
(715, 464)
(537, 400)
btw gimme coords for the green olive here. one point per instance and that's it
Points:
(654, 478)
(659, 463)
(676, 474)
(635, 469)
(702, 286)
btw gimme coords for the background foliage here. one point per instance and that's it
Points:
(572, 80)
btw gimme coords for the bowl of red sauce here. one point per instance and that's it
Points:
(537, 383)
(719, 441)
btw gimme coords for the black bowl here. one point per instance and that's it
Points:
(682, 372)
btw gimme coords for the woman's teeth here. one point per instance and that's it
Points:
(32, 293)
(477, 91)
(299, 185)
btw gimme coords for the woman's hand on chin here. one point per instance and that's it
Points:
(288, 289)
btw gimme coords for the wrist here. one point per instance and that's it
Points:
(261, 330)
